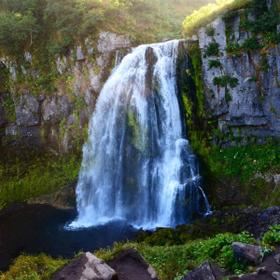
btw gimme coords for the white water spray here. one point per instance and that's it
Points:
(137, 164)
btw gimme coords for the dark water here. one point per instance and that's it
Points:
(34, 229)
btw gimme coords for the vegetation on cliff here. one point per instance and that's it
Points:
(208, 13)
(30, 174)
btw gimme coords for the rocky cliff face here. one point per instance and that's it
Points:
(57, 119)
(233, 78)
(241, 74)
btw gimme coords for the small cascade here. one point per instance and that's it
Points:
(137, 164)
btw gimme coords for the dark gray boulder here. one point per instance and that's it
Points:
(86, 267)
(206, 271)
(130, 265)
(248, 253)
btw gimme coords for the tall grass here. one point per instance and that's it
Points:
(22, 179)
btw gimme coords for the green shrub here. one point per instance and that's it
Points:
(24, 179)
(228, 96)
(173, 261)
(9, 107)
(225, 81)
(170, 262)
(210, 31)
(244, 161)
(209, 12)
(40, 267)
(251, 44)
(212, 49)
(272, 236)
(215, 64)
(234, 48)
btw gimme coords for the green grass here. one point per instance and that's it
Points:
(33, 268)
(170, 262)
(272, 236)
(245, 161)
(24, 178)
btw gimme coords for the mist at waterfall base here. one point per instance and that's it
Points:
(137, 164)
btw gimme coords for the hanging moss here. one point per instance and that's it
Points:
(193, 99)
(136, 133)
(9, 107)
(4, 78)
(197, 76)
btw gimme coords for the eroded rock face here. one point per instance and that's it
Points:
(55, 108)
(151, 60)
(109, 41)
(250, 107)
(61, 117)
(27, 110)
(248, 253)
(86, 267)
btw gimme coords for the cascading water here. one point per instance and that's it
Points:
(137, 164)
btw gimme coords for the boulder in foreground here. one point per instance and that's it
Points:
(206, 271)
(130, 265)
(248, 253)
(86, 267)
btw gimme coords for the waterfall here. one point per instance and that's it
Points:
(137, 164)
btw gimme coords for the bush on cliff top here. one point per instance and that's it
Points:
(209, 12)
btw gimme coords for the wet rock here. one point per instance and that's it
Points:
(277, 258)
(276, 275)
(130, 265)
(265, 219)
(206, 271)
(27, 110)
(151, 59)
(261, 270)
(248, 253)
(86, 267)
